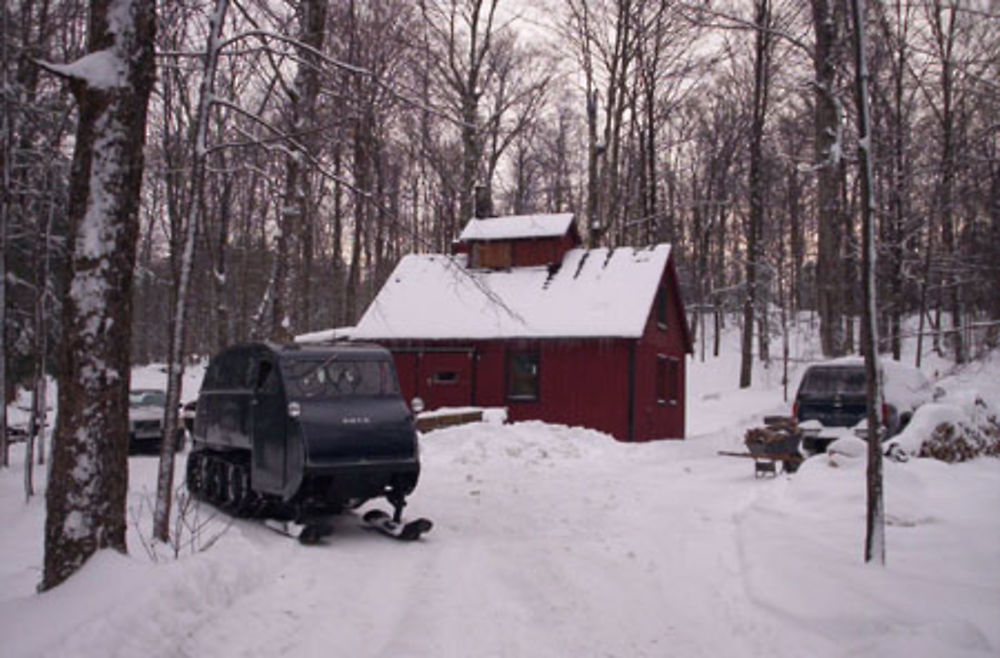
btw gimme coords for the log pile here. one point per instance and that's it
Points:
(779, 436)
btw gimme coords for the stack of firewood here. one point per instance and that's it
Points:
(780, 435)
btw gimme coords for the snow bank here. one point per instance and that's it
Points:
(938, 594)
(965, 422)
(122, 606)
(553, 540)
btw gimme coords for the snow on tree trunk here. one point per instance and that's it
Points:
(875, 535)
(86, 496)
(175, 363)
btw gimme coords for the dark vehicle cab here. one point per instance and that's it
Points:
(291, 430)
(834, 394)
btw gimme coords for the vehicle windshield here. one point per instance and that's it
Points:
(339, 378)
(147, 399)
(834, 381)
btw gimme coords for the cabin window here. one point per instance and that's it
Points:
(445, 378)
(522, 375)
(661, 307)
(667, 385)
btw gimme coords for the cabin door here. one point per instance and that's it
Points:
(444, 379)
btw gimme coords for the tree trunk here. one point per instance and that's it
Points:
(467, 83)
(336, 298)
(292, 288)
(827, 123)
(220, 274)
(797, 241)
(175, 361)
(42, 329)
(760, 92)
(595, 152)
(899, 193)
(86, 496)
(951, 290)
(362, 178)
(875, 531)
(6, 154)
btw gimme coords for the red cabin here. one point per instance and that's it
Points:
(522, 317)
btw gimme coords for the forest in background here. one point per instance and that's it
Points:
(344, 134)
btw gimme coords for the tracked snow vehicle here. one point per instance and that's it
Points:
(292, 432)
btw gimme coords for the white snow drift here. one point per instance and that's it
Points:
(556, 541)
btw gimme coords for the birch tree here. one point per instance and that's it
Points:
(875, 527)
(86, 495)
(175, 365)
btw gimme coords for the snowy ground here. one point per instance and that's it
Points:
(555, 541)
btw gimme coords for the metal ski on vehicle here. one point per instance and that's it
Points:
(384, 523)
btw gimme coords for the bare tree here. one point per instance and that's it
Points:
(604, 35)
(828, 145)
(369, 143)
(895, 30)
(462, 37)
(519, 79)
(875, 527)
(755, 227)
(943, 18)
(175, 364)
(293, 292)
(85, 500)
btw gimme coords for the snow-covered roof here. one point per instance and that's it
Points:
(597, 292)
(325, 335)
(515, 227)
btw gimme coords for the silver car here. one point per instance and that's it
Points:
(145, 421)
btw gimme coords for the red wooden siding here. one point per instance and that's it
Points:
(441, 377)
(517, 253)
(581, 381)
(655, 419)
(543, 251)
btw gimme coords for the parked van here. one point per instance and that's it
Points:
(834, 395)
